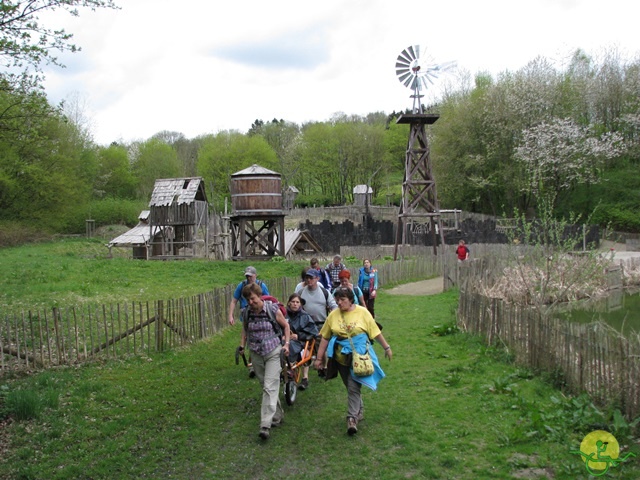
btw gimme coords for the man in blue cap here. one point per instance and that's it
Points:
(318, 301)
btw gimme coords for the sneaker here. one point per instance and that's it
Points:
(264, 433)
(276, 422)
(352, 426)
(304, 384)
(252, 372)
(360, 416)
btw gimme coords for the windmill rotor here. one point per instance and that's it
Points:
(418, 72)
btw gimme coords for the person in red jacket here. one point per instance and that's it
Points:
(462, 251)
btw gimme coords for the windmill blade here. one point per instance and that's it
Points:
(402, 78)
(414, 55)
(446, 66)
(410, 80)
(406, 55)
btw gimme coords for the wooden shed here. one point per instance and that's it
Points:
(289, 198)
(362, 195)
(178, 220)
(137, 238)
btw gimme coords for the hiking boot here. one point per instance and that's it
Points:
(304, 384)
(264, 433)
(252, 372)
(352, 426)
(276, 422)
(360, 416)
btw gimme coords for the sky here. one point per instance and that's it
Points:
(200, 66)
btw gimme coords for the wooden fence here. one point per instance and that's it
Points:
(38, 339)
(591, 358)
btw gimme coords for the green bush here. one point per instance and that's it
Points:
(319, 200)
(107, 211)
(14, 233)
(618, 218)
(381, 200)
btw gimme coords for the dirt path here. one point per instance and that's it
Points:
(432, 286)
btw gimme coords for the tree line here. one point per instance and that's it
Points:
(563, 137)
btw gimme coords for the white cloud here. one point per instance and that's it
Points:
(198, 66)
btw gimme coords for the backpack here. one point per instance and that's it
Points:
(324, 291)
(245, 283)
(268, 299)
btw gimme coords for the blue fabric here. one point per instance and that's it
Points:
(360, 343)
(364, 279)
(237, 294)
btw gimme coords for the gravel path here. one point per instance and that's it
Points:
(432, 286)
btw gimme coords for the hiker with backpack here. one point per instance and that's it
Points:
(318, 301)
(345, 282)
(263, 326)
(251, 275)
(325, 279)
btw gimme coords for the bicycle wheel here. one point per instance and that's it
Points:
(290, 391)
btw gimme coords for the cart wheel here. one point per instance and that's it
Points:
(290, 391)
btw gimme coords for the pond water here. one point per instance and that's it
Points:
(620, 309)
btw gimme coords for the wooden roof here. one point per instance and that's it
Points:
(167, 191)
(360, 189)
(136, 237)
(299, 241)
(255, 169)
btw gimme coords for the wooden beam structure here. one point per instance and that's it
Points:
(419, 196)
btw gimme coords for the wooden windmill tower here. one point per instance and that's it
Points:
(419, 197)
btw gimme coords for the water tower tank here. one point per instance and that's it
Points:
(256, 190)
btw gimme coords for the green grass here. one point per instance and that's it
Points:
(71, 272)
(449, 408)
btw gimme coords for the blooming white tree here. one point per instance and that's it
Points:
(559, 154)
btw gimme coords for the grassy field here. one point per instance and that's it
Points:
(449, 408)
(76, 271)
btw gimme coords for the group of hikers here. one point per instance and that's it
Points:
(325, 306)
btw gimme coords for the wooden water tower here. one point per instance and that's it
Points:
(257, 217)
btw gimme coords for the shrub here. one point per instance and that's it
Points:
(319, 200)
(107, 211)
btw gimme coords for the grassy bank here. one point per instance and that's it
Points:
(449, 408)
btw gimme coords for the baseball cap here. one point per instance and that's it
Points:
(312, 273)
(250, 271)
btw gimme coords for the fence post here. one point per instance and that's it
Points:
(159, 323)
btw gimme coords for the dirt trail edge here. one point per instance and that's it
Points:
(433, 286)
